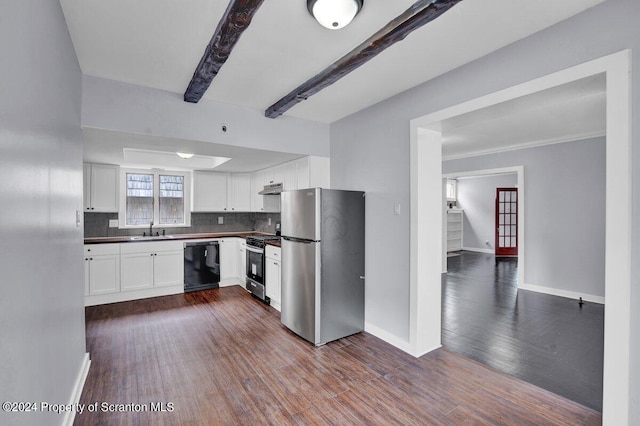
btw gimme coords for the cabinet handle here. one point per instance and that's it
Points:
(86, 258)
(92, 208)
(91, 258)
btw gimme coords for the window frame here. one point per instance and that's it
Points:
(454, 183)
(122, 194)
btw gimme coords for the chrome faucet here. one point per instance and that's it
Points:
(151, 229)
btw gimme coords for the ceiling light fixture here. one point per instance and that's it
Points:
(185, 155)
(334, 14)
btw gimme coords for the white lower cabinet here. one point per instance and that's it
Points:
(136, 271)
(228, 261)
(141, 270)
(242, 262)
(273, 275)
(101, 269)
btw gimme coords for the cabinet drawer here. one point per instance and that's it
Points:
(272, 252)
(99, 249)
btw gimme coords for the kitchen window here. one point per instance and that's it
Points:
(153, 196)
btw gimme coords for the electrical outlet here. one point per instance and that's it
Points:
(113, 223)
(269, 221)
(396, 209)
(220, 220)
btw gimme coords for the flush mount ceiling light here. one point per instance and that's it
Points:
(334, 14)
(185, 155)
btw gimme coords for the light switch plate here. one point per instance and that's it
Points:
(113, 223)
(220, 220)
(396, 209)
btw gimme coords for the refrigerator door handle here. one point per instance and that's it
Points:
(298, 240)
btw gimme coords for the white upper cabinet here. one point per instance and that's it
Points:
(312, 172)
(100, 188)
(239, 192)
(289, 176)
(257, 184)
(209, 192)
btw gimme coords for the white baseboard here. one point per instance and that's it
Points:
(479, 250)
(77, 390)
(562, 293)
(401, 344)
(124, 296)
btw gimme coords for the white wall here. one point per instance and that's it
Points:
(565, 211)
(123, 107)
(42, 337)
(477, 197)
(370, 149)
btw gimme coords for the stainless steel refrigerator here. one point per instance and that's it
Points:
(322, 263)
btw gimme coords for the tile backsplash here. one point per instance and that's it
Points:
(97, 224)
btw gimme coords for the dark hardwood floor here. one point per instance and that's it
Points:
(222, 358)
(545, 340)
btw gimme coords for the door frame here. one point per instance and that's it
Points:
(519, 172)
(427, 211)
(496, 213)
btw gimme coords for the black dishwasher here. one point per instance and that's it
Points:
(201, 266)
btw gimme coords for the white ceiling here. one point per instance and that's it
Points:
(573, 111)
(158, 44)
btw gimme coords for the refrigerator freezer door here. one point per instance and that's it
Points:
(300, 214)
(300, 287)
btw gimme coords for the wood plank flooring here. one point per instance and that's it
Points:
(222, 358)
(546, 340)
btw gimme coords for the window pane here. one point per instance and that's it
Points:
(171, 199)
(139, 199)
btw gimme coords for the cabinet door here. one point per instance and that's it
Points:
(137, 271)
(104, 188)
(228, 264)
(242, 266)
(240, 196)
(86, 186)
(302, 173)
(289, 176)
(168, 269)
(257, 185)
(104, 274)
(209, 192)
(87, 276)
(272, 278)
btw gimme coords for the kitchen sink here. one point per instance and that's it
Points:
(151, 238)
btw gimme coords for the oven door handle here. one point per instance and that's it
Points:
(255, 250)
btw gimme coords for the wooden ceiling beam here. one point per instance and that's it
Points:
(419, 14)
(235, 20)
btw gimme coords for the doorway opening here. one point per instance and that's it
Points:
(427, 212)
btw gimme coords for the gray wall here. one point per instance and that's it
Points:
(564, 211)
(477, 197)
(42, 337)
(123, 107)
(370, 150)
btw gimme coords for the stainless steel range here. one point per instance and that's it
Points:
(256, 265)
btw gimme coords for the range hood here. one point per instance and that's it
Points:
(271, 189)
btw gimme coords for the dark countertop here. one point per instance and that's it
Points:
(177, 237)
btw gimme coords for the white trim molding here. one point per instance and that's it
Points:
(426, 203)
(479, 250)
(562, 293)
(392, 339)
(77, 390)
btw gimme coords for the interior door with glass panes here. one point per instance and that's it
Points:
(506, 222)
